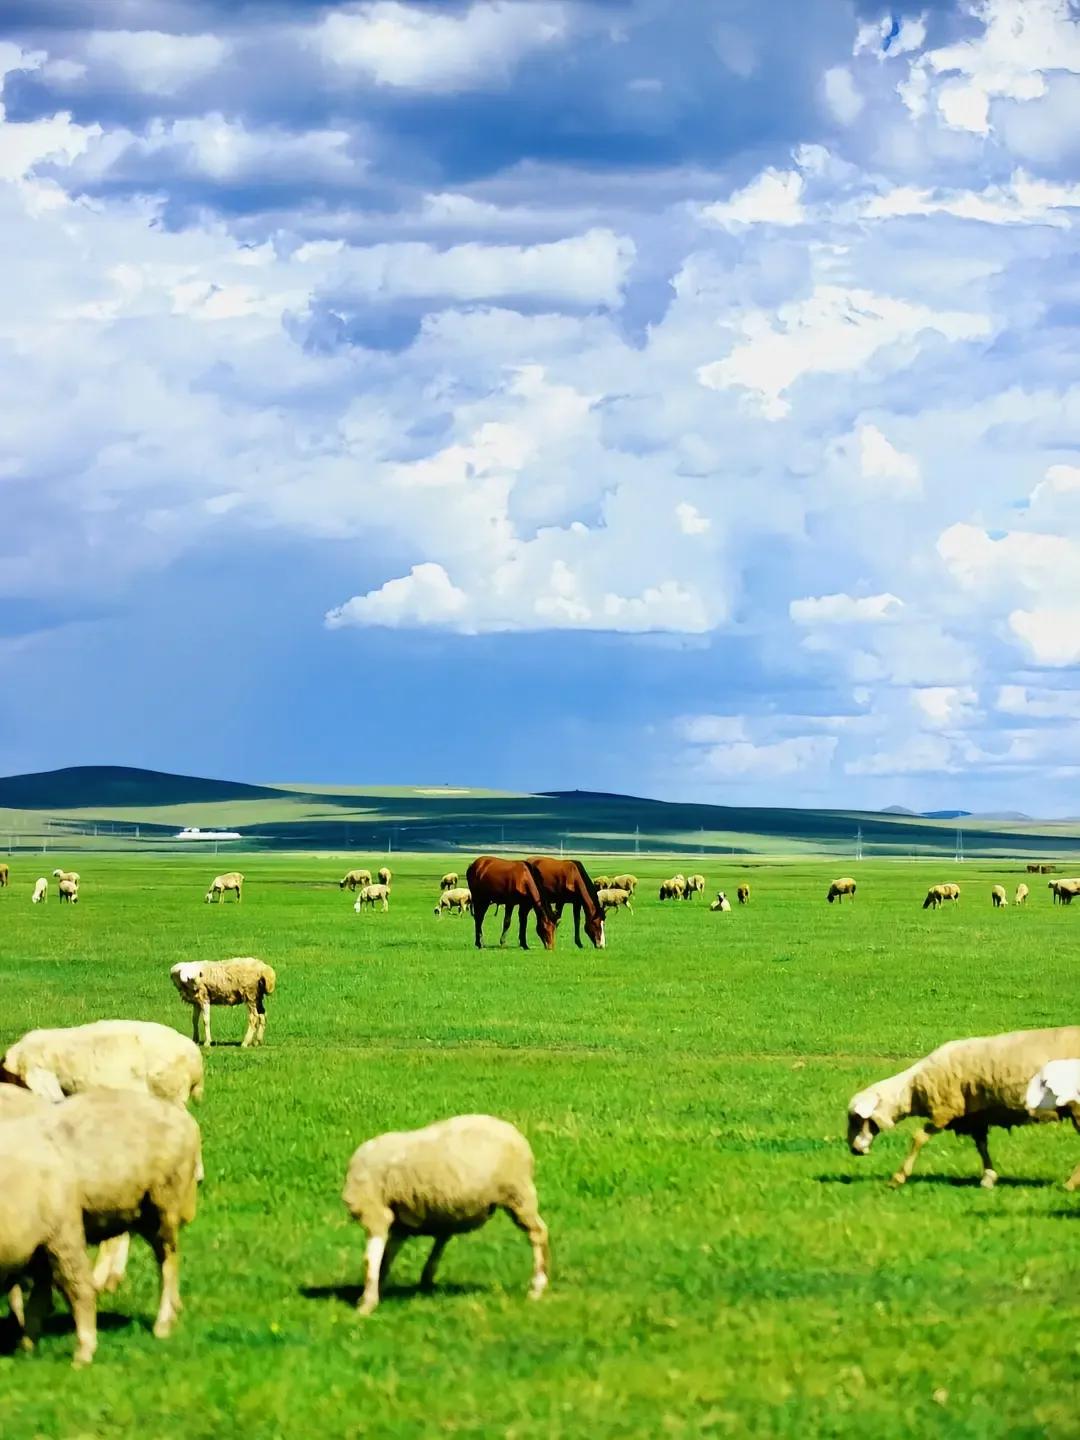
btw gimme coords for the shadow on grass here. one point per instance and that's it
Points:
(59, 1323)
(957, 1182)
(390, 1294)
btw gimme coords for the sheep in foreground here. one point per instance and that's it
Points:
(966, 1086)
(42, 1238)
(72, 875)
(242, 981)
(695, 885)
(355, 880)
(441, 1181)
(624, 882)
(1057, 1087)
(137, 1161)
(1065, 891)
(459, 901)
(108, 1055)
(373, 895)
(384, 876)
(69, 891)
(612, 898)
(672, 889)
(449, 881)
(721, 902)
(940, 895)
(5, 877)
(222, 884)
(839, 888)
(1022, 892)
(41, 891)
(998, 896)
(743, 892)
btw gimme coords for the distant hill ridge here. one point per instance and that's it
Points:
(77, 787)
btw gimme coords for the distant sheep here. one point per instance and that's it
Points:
(448, 882)
(1022, 893)
(839, 888)
(997, 894)
(721, 902)
(1057, 1087)
(624, 882)
(242, 981)
(612, 898)
(743, 893)
(672, 889)
(41, 891)
(72, 875)
(695, 885)
(457, 901)
(108, 1055)
(1037, 869)
(940, 895)
(42, 1236)
(373, 895)
(602, 882)
(385, 876)
(222, 884)
(442, 1181)
(355, 880)
(5, 877)
(69, 891)
(965, 1086)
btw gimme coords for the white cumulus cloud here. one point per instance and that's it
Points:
(772, 198)
(844, 609)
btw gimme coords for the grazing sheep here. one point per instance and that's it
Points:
(442, 1181)
(72, 875)
(1057, 1087)
(355, 880)
(457, 901)
(998, 896)
(1022, 892)
(42, 1236)
(965, 1086)
(69, 891)
(373, 895)
(602, 882)
(695, 885)
(5, 877)
(232, 880)
(1064, 890)
(449, 880)
(242, 981)
(41, 891)
(743, 893)
(614, 899)
(839, 888)
(624, 882)
(385, 876)
(721, 902)
(137, 1161)
(108, 1055)
(672, 889)
(939, 894)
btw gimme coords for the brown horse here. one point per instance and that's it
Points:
(566, 882)
(509, 883)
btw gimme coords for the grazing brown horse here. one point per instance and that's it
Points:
(566, 882)
(509, 883)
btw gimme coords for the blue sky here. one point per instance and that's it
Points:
(676, 399)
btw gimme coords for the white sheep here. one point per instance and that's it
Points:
(743, 892)
(241, 981)
(940, 895)
(384, 876)
(441, 1181)
(449, 881)
(68, 891)
(1022, 893)
(1057, 1087)
(42, 1238)
(721, 902)
(695, 885)
(458, 901)
(613, 897)
(72, 875)
(624, 882)
(672, 889)
(997, 894)
(354, 879)
(222, 884)
(373, 895)
(839, 888)
(5, 876)
(966, 1086)
(41, 891)
(106, 1054)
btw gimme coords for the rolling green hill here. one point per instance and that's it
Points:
(113, 807)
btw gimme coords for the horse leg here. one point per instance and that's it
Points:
(479, 911)
(508, 915)
(523, 926)
(577, 925)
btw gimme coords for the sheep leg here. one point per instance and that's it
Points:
(427, 1275)
(260, 1032)
(111, 1263)
(525, 1214)
(252, 1025)
(71, 1272)
(195, 1013)
(918, 1140)
(373, 1255)
(989, 1175)
(394, 1243)
(167, 1256)
(32, 1314)
(206, 1024)
(1073, 1182)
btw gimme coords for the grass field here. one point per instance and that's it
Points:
(722, 1265)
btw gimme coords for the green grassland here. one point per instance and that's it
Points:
(722, 1265)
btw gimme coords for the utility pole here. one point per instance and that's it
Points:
(959, 846)
(637, 839)
(858, 843)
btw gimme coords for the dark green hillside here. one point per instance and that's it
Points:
(110, 786)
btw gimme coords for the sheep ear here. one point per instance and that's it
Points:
(44, 1083)
(865, 1104)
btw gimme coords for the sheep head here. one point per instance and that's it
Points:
(868, 1114)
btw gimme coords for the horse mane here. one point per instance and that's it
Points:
(589, 886)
